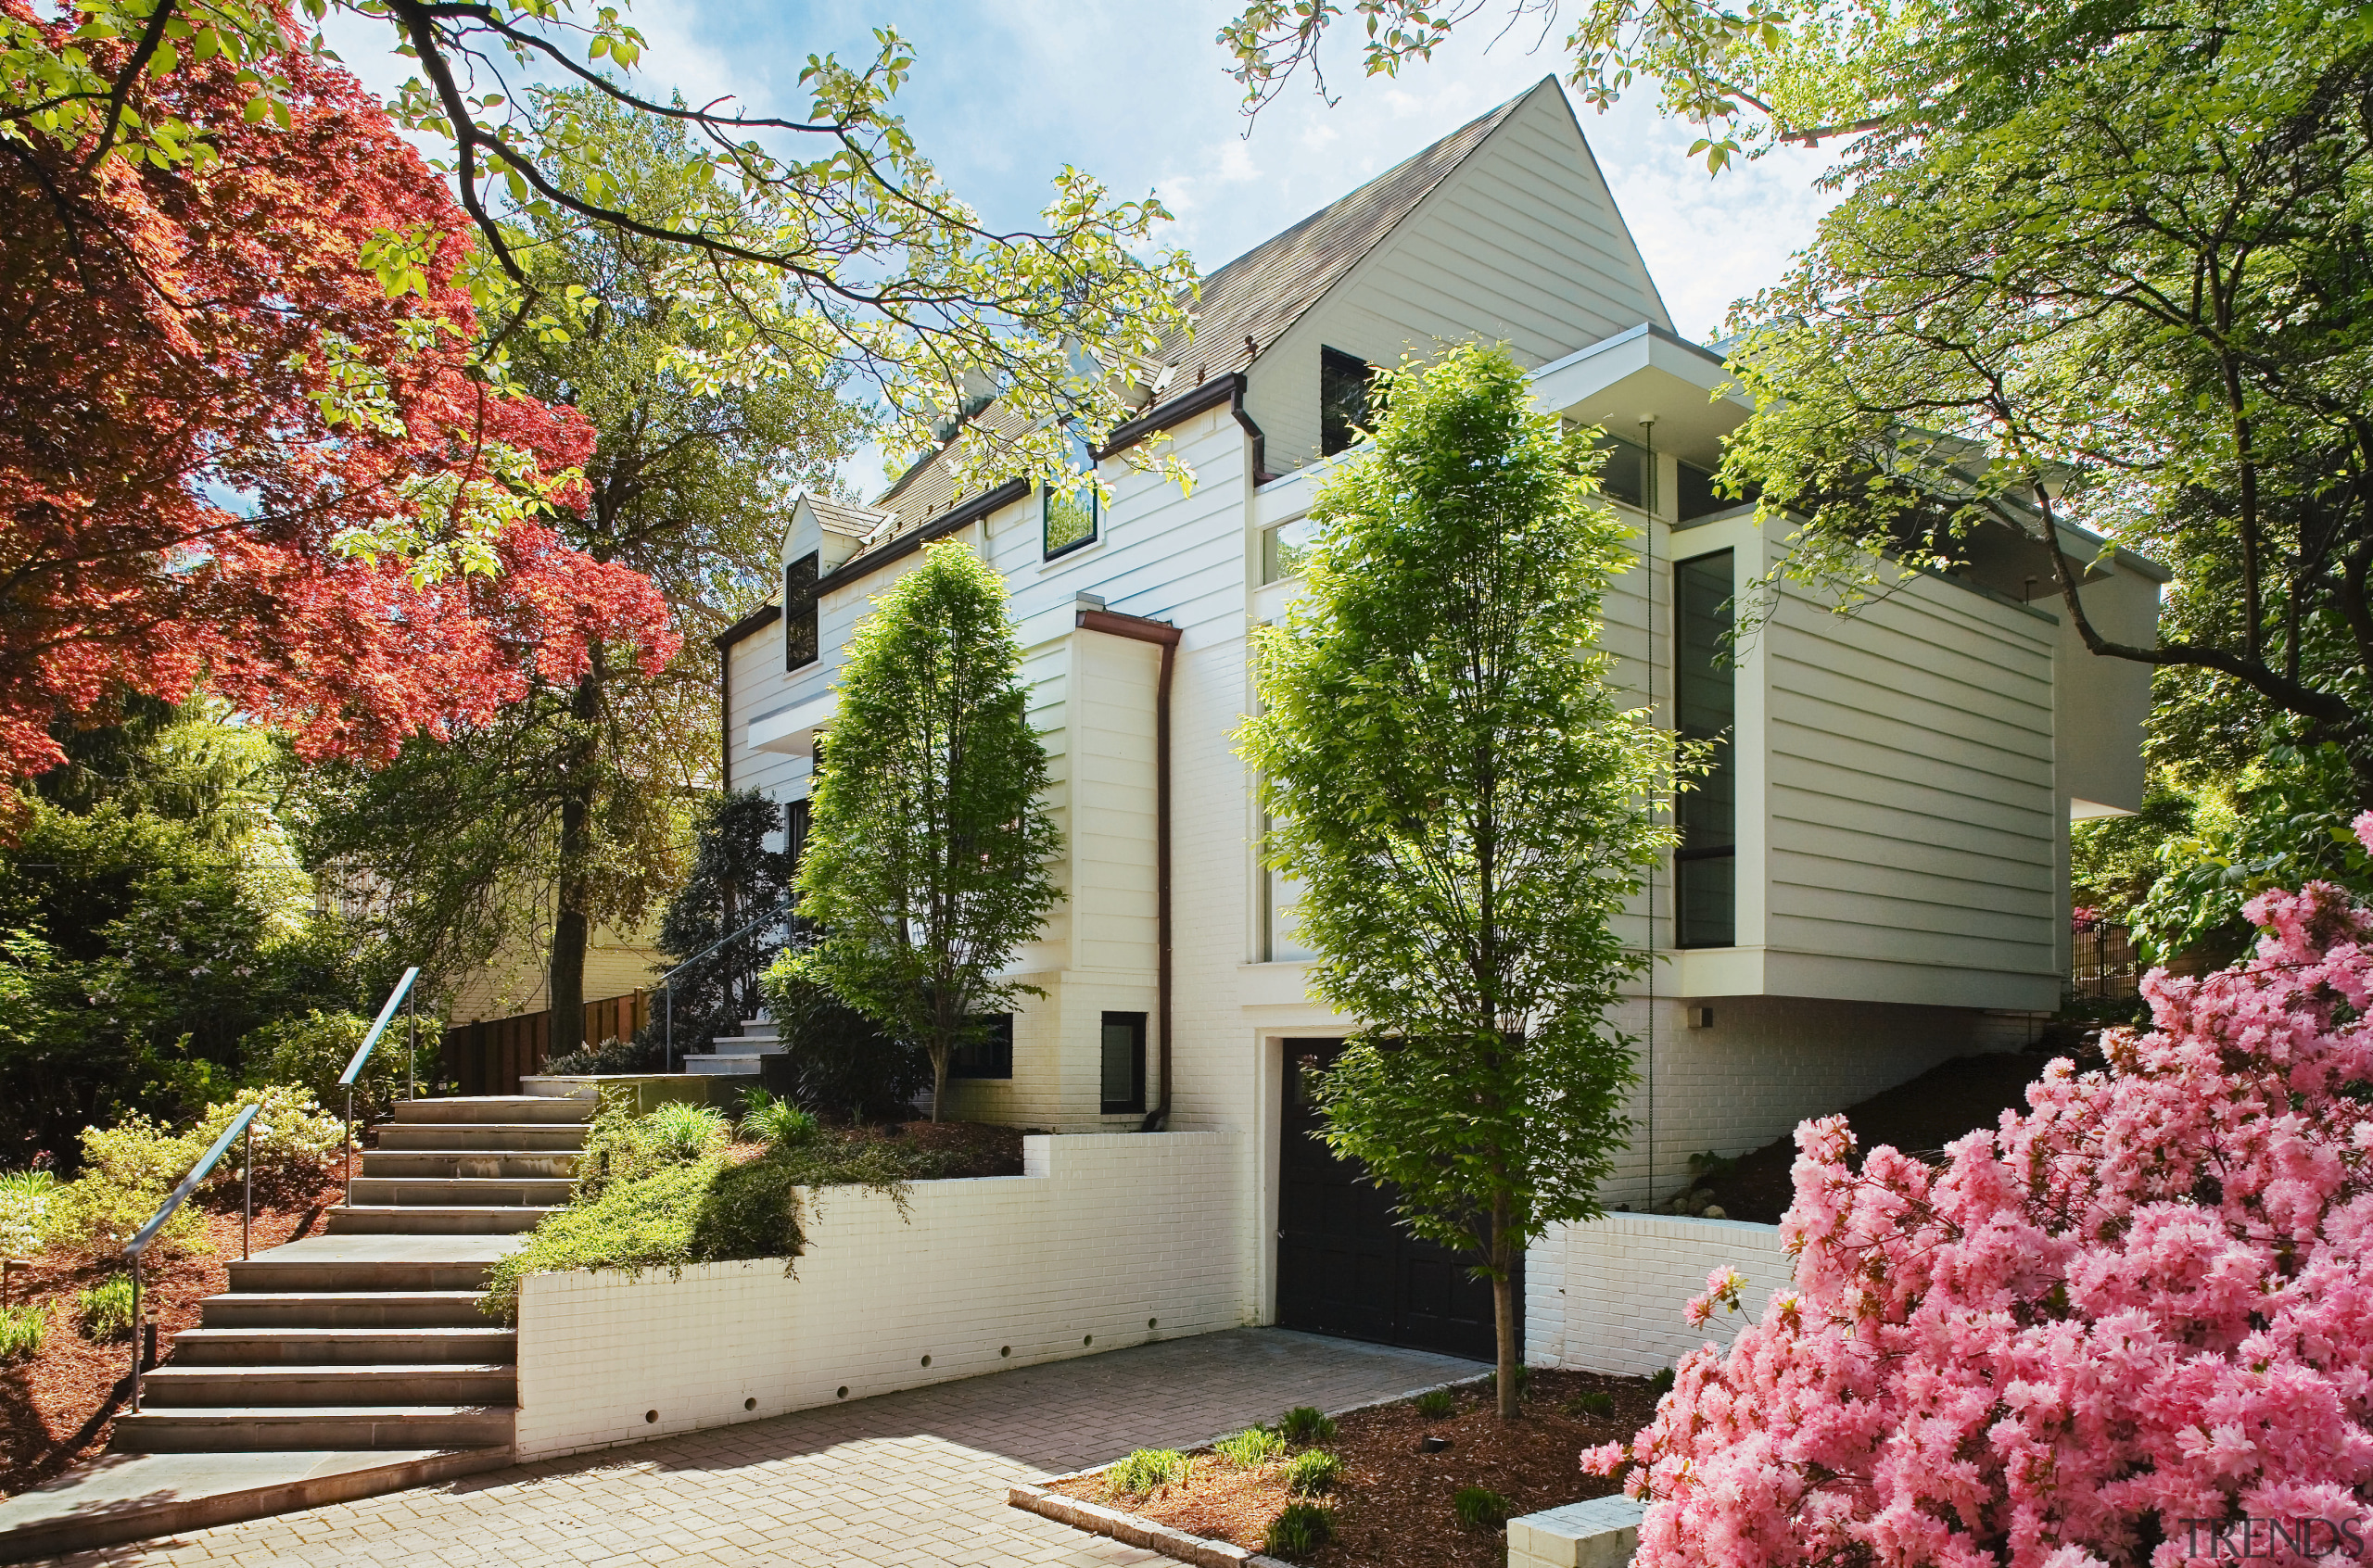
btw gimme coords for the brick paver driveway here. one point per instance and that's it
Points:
(906, 1478)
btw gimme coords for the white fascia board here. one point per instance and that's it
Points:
(792, 731)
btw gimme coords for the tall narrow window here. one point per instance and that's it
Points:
(1125, 1063)
(800, 646)
(796, 819)
(1706, 708)
(1342, 398)
(1070, 520)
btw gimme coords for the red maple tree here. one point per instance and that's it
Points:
(207, 403)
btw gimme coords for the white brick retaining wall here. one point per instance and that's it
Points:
(1606, 1296)
(1105, 1241)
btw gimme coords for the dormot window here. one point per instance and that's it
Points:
(989, 1054)
(1125, 1063)
(1343, 381)
(1706, 708)
(800, 646)
(1070, 520)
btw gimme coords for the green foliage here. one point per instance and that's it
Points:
(839, 1062)
(735, 879)
(1436, 1404)
(24, 1200)
(926, 863)
(1660, 1382)
(294, 1141)
(677, 1131)
(773, 1121)
(22, 1330)
(621, 1145)
(1479, 1508)
(1451, 773)
(104, 1310)
(1300, 1530)
(1305, 1424)
(1144, 1470)
(1314, 1473)
(1596, 1403)
(1523, 1380)
(127, 1171)
(310, 1052)
(1253, 1446)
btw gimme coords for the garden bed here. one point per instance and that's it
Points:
(60, 1406)
(949, 1150)
(1393, 1507)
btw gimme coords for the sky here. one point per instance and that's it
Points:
(1136, 93)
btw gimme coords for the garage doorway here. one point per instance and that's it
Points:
(1344, 1268)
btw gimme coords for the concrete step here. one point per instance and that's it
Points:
(722, 1066)
(373, 1263)
(470, 1192)
(169, 1429)
(398, 1384)
(357, 1311)
(344, 1346)
(749, 1040)
(507, 1137)
(492, 1109)
(435, 1220)
(470, 1164)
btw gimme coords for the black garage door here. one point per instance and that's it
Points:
(1343, 1267)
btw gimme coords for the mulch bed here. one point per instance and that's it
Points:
(972, 1148)
(1919, 1117)
(60, 1406)
(1393, 1509)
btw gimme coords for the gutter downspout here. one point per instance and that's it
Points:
(1164, 635)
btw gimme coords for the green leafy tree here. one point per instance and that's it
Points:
(926, 859)
(1466, 800)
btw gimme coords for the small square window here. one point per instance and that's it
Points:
(1285, 550)
(1125, 1063)
(1070, 520)
(989, 1054)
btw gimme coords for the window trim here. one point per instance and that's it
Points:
(800, 602)
(1135, 1104)
(1048, 496)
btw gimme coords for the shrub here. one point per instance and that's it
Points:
(294, 1139)
(1660, 1382)
(22, 1329)
(1143, 1470)
(1302, 1529)
(623, 1147)
(1306, 1423)
(2137, 1302)
(681, 1131)
(1252, 1447)
(1597, 1402)
(127, 1171)
(310, 1053)
(1436, 1404)
(1314, 1473)
(773, 1121)
(1479, 1508)
(836, 1061)
(104, 1310)
(615, 1055)
(24, 1199)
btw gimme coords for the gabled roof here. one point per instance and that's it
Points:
(839, 517)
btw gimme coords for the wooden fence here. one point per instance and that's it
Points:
(491, 1056)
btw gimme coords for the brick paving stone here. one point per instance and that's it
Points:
(912, 1480)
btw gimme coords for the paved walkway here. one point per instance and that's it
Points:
(915, 1478)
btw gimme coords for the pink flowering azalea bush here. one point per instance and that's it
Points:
(2136, 1322)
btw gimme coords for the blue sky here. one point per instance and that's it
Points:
(1137, 94)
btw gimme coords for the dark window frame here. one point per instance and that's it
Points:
(1344, 383)
(802, 640)
(1135, 1104)
(1049, 498)
(1687, 929)
(991, 1055)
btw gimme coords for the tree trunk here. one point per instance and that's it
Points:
(1504, 1308)
(939, 1054)
(572, 928)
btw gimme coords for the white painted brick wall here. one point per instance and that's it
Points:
(1103, 1233)
(1606, 1296)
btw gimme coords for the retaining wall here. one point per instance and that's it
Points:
(1606, 1296)
(1105, 1240)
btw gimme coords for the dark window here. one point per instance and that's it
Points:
(989, 1054)
(1070, 520)
(797, 816)
(1698, 498)
(799, 644)
(1125, 1063)
(1625, 475)
(1342, 398)
(1706, 708)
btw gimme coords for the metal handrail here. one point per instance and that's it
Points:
(363, 1054)
(243, 1123)
(779, 910)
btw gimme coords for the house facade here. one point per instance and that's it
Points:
(1876, 880)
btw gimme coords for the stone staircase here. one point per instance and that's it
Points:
(736, 1055)
(369, 1337)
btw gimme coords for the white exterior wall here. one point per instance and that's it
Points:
(1606, 1296)
(1088, 1251)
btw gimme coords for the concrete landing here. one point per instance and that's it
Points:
(119, 1498)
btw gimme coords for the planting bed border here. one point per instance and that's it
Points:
(1096, 1519)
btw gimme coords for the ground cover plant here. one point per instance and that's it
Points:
(1366, 1495)
(2128, 1319)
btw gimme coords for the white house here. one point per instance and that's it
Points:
(1881, 885)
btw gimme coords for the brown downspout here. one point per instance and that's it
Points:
(1164, 635)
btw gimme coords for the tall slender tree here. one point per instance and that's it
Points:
(1468, 801)
(926, 861)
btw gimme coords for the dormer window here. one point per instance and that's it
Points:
(1343, 381)
(1069, 521)
(800, 645)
